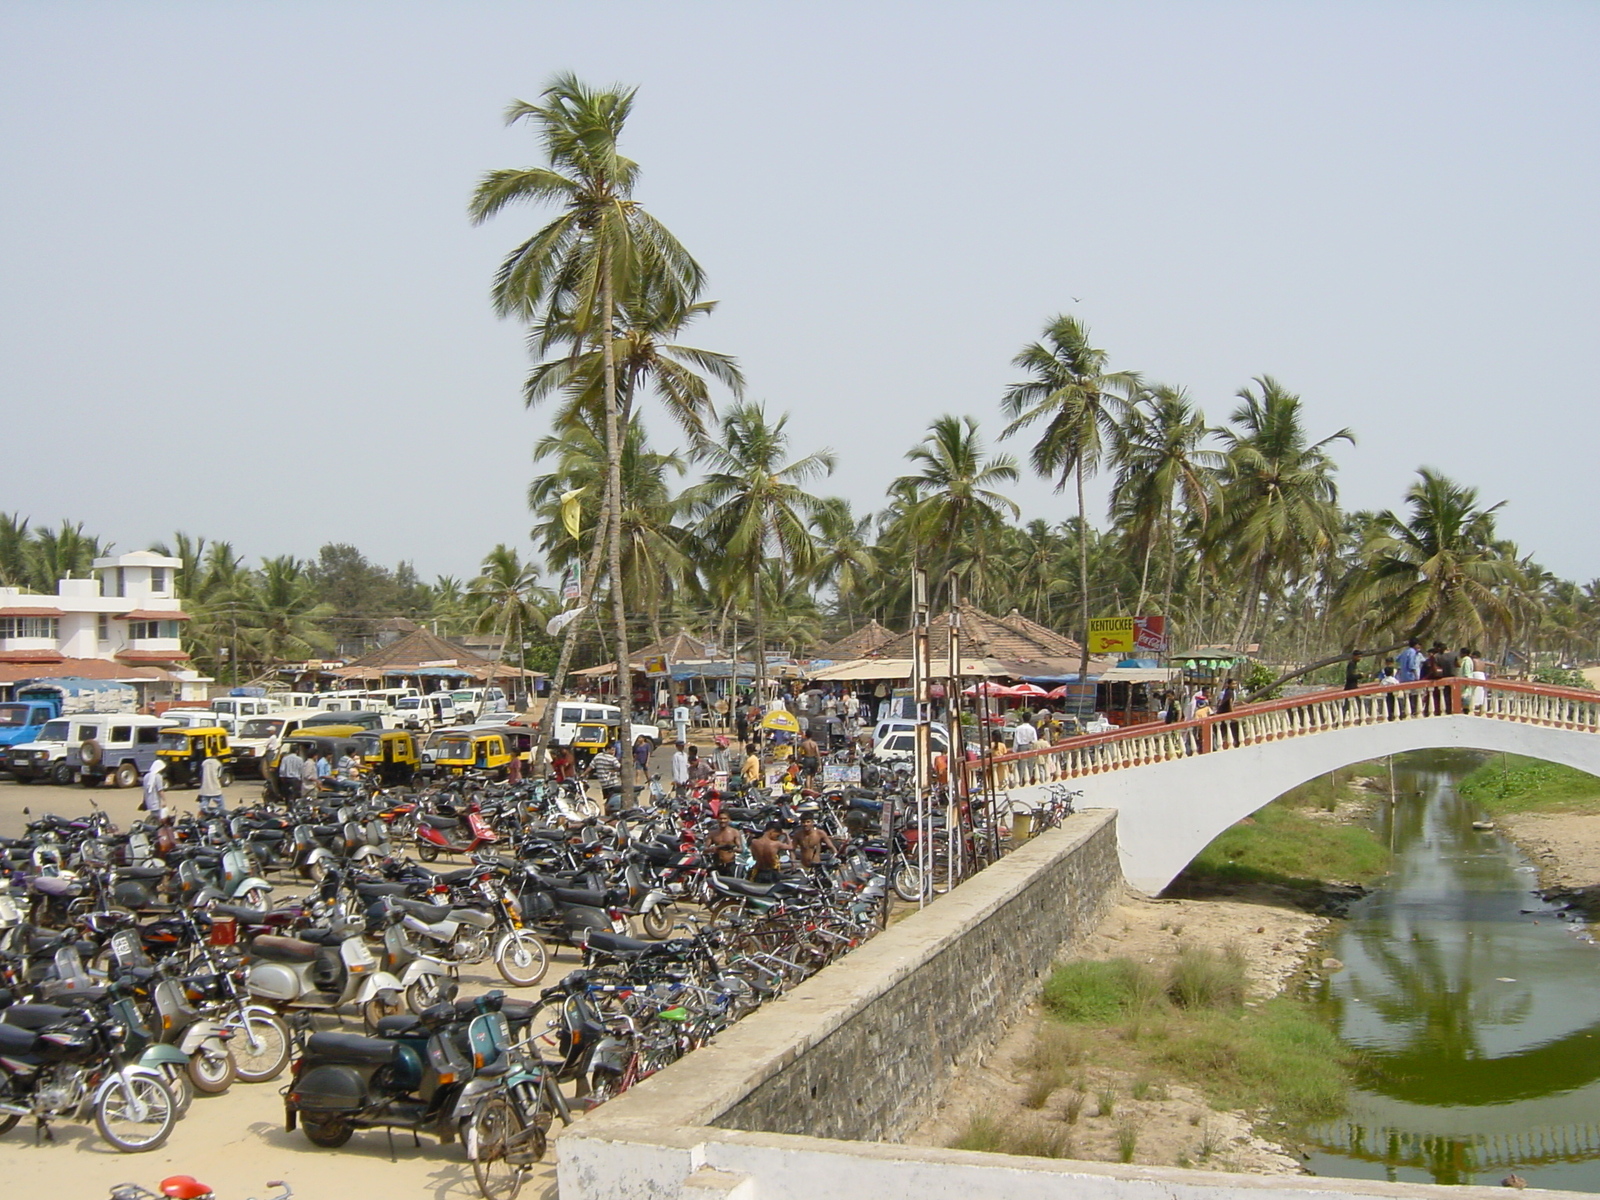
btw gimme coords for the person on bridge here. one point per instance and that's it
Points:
(1026, 737)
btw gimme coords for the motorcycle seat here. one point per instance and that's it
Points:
(420, 909)
(139, 872)
(281, 949)
(454, 877)
(584, 896)
(15, 1041)
(740, 887)
(348, 1048)
(321, 937)
(39, 940)
(377, 891)
(546, 835)
(440, 822)
(326, 830)
(36, 1016)
(53, 885)
(637, 814)
(267, 835)
(518, 1012)
(68, 991)
(660, 855)
(616, 943)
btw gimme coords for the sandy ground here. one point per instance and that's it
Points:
(1565, 848)
(1173, 1123)
(236, 1142)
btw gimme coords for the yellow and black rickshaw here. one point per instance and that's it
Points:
(332, 742)
(391, 755)
(184, 749)
(457, 751)
(592, 737)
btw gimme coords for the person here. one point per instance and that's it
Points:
(1408, 668)
(1352, 672)
(641, 753)
(680, 721)
(999, 772)
(1026, 737)
(310, 776)
(1432, 669)
(324, 768)
(741, 722)
(210, 797)
(810, 841)
(348, 767)
(289, 769)
(155, 790)
(1225, 701)
(700, 770)
(810, 757)
(724, 844)
(605, 768)
(1449, 667)
(1466, 667)
(561, 763)
(751, 771)
(1389, 676)
(680, 771)
(764, 850)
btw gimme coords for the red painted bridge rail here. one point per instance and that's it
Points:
(1302, 716)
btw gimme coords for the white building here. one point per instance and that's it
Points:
(125, 624)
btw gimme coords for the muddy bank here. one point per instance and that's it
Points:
(1565, 850)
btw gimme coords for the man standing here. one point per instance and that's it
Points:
(764, 850)
(724, 842)
(289, 767)
(751, 771)
(155, 790)
(210, 796)
(1408, 666)
(810, 758)
(311, 776)
(809, 843)
(1026, 737)
(1449, 664)
(605, 768)
(680, 771)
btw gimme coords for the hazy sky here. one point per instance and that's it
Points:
(239, 294)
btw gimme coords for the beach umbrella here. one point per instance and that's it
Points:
(987, 688)
(1059, 693)
(1026, 689)
(781, 722)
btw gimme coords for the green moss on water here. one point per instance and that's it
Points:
(1512, 784)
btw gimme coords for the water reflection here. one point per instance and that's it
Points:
(1473, 1006)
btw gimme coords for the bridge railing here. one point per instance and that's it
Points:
(1316, 712)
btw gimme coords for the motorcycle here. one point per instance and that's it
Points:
(444, 832)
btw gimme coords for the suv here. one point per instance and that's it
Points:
(123, 751)
(46, 757)
(250, 746)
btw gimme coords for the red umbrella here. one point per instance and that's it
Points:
(987, 688)
(1026, 689)
(1059, 693)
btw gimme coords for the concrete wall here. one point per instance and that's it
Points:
(1170, 811)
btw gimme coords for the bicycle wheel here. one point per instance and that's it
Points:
(489, 1132)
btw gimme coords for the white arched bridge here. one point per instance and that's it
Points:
(1176, 787)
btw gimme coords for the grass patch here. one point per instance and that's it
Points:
(1514, 784)
(1191, 1024)
(1035, 1138)
(1281, 845)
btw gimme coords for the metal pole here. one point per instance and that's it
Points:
(921, 760)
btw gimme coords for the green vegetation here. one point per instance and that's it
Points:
(1282, 844)
(1191, 1024)
(1512, 784)
(1035, 1138)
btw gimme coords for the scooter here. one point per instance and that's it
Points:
(444, 832)
(323, 969)
(232, 881)
(427, 980)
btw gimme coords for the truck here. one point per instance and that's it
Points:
(40, 701)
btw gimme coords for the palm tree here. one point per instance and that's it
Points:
(1277, 500)
(278, 614)
(1438, 569)
(14, 550)
(845, 556)
(1159, 461)
(570, 273)
(955, 510)
(752, 503)
(508, 597)
(1081, 404)
(63, 553)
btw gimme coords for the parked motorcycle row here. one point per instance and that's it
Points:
(140, 966)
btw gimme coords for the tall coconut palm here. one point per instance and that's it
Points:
(1160, 461)
(845, 555)
(1081, 404)
(508, 598)
(63, 553)
(602, 245)
(1277, 500)
(1437, 570)
(279, 616)
(14, 550)
(956, 513)
(752, 503)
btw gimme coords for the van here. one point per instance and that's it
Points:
(387, 700)
(200, 718)
(241, 707)
(572, 713)
(250, 745)
(300, 702)
(120, 753)
(426, 713)
(478, 703)
(359, 718)
(46, 758)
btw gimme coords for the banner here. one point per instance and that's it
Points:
(656, 665)
(572, 583)
(571, 511)
(561, 620)
(1128, 636)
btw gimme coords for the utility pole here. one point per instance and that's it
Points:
(923, 759)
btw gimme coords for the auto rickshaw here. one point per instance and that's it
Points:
(391, 755)
(456, 751)
(334, 742)
(184, 749)
(591, 738)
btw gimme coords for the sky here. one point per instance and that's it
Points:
(240, 295)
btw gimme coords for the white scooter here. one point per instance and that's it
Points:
(323, 969)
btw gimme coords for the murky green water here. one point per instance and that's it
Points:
(1475, 1004)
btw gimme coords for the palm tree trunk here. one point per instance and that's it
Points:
(570, 641)
(1247, 612)
(1144, 572)
(761, 637)
(619, 606)
(1083, 574)
(1172, 568)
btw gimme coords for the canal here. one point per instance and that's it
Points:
(1473, 1004)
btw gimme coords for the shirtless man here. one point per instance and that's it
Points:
(765, 851)
(724, 842)
(809, 842)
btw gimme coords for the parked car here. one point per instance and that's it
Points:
(46, 758)
(121, 754)
(426, 713)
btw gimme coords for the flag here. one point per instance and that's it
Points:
(572, 583)
(561, 620)
(571, 511)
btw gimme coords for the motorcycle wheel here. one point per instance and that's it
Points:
(317, 871)
(521, 959)
(427, 852)
(907, 882)
(604, 1085)
(488, 1131)
(328, 1132)
(377, 1008)
(426, 991)
(114, 1115)
(177, 1078)
(657, 922)
(211, 1074)
(266, 1058)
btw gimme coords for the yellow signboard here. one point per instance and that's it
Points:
(1127, 635)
